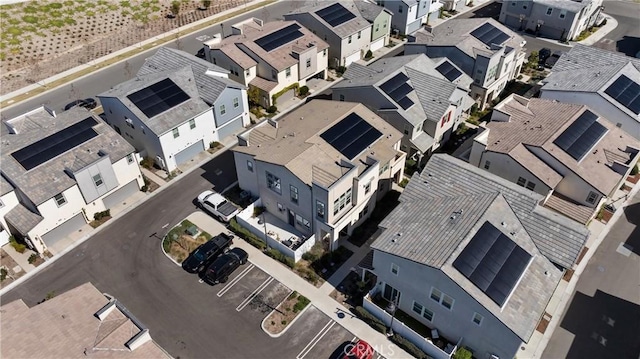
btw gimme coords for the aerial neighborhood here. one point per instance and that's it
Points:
(371, 179)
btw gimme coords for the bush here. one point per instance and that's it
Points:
(368, 55)
(409, 347)
(275, 254)
(404, 182)
(303, 91)
(372, 321)
(19, 247)
(100, 215)
(272, 109)
(258, 210)
(32, 258)
(311, 256)
(215, 144)
(3, 274)
(147, 163)
(462, 353)
(341, 69)
(246, 235)
(301, 304)
(634, 170)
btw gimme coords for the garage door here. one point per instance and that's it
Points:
(231, 127)
(64, 230)
(378, 44)
(120, 195)
(285, 97)
(352, 58)
(189, 152)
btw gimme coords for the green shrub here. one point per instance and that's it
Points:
(371, 320)
(301, 304)
(215, 144)
(3, 274)
(100, 215)
(147, 163)
(258, 210)
(368, 55)
(206, 3)
(341, 69)
(246, 235)
(311, 256)
(272, 109)
(409, 347)
(634, 170)
(32, 258)
(275, 254)
(303, 91)
(404, 182)
(462, 353)
(19, 247)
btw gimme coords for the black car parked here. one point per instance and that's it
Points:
(553, 59)
(221, 268)
(543, 55)
(88, 103)
(207, 252)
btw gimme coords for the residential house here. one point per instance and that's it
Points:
(454, 5)
(567, 153)
(410, 15)
(487, 51)
(273, 58)
(8, 200)
(472, 256)
(341, 25)
(422, 98)
(379, 18)
(322, 167)
(175, 107)
(606, 81)
(556, 19)
(82, 322)
(58, 170)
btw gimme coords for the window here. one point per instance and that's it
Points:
(350, 38)
(400, 9)
(299, 219)
(384, 168)
(549, 11)
(97, 180)
(417, 308)
(294, 193)
(233, 70)
(591, 198)
(176, 133)
(444, 300)
(513, 3)
(130, 158)
(521, 181)
(306, 223)
(192, 123)
(274, 74)
(384, 25)
(524, 6)
(320, 210)
(359, 34)
(223, 109)
(394, 268)
(341, 97)
(273, 183)
(377, 27)
(348, 195)
(367, 187)
(447, 302)
(60, 200)
(390, 293)
(477, 318)
(487, 164)
(422, 311)
(280, 207)
(406, 130)
(427, 314)
(308, 63)
(531, 185)
(436, 295)
(563, 14)
(236, 102)
(324, 52)
(250, 166)
(287, 72)
(336, 206)
(214, 61)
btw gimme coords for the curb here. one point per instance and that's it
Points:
(288, 324)
(162, 246)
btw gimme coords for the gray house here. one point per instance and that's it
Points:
(607, 81)
(420, 97)
(473, 256)
(380, 19)
(410, 15)
(487, 51)
(556, 19)
(175, 107)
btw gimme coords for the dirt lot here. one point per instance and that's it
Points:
(41, 39)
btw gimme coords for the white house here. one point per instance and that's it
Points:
(274, 57)
(565, 152)
(410, 15)
(322, 167)
(58, 170)
(606, 81)
(485, 50)
(471, 256)
(175, 107)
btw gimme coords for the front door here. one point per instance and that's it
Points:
(292, 218)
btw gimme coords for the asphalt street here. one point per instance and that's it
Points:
(626, 36)
(603, 317)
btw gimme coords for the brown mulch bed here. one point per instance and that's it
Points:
(285, 313)
(544, 322)
(606, 216)
(151, 185)
(99, 222)
(38, 261)
(634, 179)
(567, 275)
(180, 249)
(582, 253)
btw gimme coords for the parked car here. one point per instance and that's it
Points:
(220, 269)
(88, 103)
(200, 53)
(217, 205)
(358, 350)
(207, 252)
(543, 55)
(552, 59)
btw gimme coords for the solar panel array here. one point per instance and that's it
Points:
(276, 39)
(397, 88)
(489, 34)
(351, 135)
(626, 92)
(448, 71)
(158, 97)
(335, 14)
(581, 135)
(492, 262)
(54, 145)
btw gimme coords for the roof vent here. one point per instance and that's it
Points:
(301, 118)
(503, 224)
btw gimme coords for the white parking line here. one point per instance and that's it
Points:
(248, 299)
(316, 339)
(235, 280)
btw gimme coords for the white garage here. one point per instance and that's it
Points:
(229, 128)
(378, 44)
(120, 195)
(189, 152)
(64, 230)
(352, 58)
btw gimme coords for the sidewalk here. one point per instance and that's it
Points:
(319, 298)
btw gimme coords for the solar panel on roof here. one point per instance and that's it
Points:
(335, 14)
(489, 34)
(581, 135)
(626, 92)
(397, 88)
(351, 135)
(405, 103)
(158, 98)
(492, 262)
(448, 71)
(56, 144)
(278, 38)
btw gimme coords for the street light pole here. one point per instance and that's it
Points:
(392, 307)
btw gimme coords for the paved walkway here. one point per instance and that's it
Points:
(319, 296)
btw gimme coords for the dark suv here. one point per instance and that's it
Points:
(221, 268)
(88, 103)
(207, 252)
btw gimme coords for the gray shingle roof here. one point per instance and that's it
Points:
(343, 30)
(22, 219)
(369, 11)
(5, 186)
(558, 238)
(573, 6)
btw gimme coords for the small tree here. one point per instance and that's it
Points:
(253, 93)
(462, 353)
(368, 55)
(303, 91)
(206, 3)
(532, 61)
(175, 7)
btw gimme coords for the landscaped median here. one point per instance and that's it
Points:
(182, 240)
(281, 318)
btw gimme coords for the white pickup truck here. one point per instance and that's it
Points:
(217, 205)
